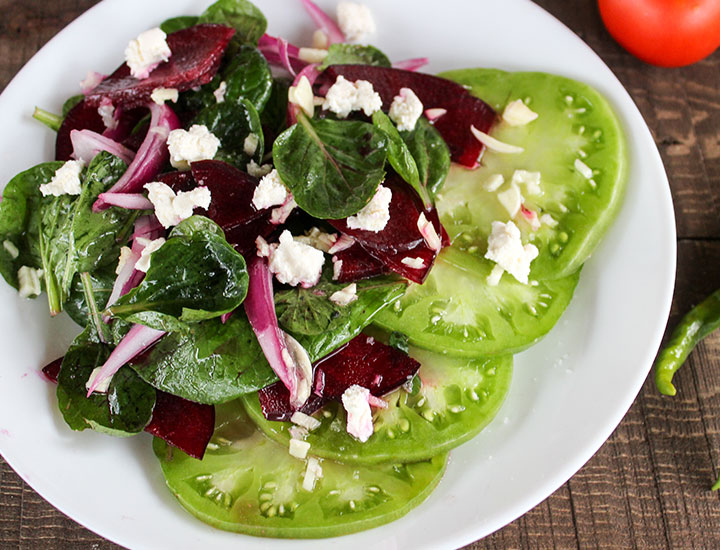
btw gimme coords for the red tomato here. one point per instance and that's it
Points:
(669, 33)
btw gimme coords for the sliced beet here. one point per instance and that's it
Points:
(401, 237)
(182, 423)
(52, 370)
(275, 403)
(81, 117)
(196, 53)
(231, 207)
(463, 109)
(357, 264)
(367, 363)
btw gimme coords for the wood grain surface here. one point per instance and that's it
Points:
(647, 487)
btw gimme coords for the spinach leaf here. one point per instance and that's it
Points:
(354, 54)
(399, 155)
(211, 363)
(431, 155)
(196, 275)
(332, 167)
(178, 23)
(246, 74)
(71, 102)
(274, 115)
(102, 281)
(400, 341)
(323, 330)
(247, 20)
(232, 123)
(126, 408)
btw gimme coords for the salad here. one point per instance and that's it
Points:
(203, 269)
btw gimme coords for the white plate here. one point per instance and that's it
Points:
(569, 392)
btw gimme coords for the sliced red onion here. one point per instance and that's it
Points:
(286, 357)
(377, 402)
(149, 227)
(90, 82)
(433, 114)
(86, 144)
(343, 243)
(411, 64)
(225, 316)
(284, 56)
(324, 22)
(311, 72)
(131, 201)
(135, 342)
(280, 214)
(151, 157)
(270, 47)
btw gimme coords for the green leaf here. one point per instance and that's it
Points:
(231, 123)
(321, 329)
(126, 408)
(178, 23)
(71, 102)
(354, 54)
(400, 341)
(274, 115)
(332, 167)
(399, 155)
(102, 281)
(196, 275)
(247, 20)
(431, 154)
(211, 363)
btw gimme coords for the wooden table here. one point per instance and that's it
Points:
(647, 487)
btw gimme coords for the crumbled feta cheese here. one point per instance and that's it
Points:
(343, 243)
(356, 402)
(346, 296)
(312, 55)
(516, 113)
(188, 146)
(297, 432)
(318, 239)
(161, 95)
(280, 214)
(143, 264)
(145, 52)
(304, 420)
(106, 110)
(405, 109)
(263, 248)
(219, 93)
(548, 220)
(505, 248)
(375, 215)
(257, 171)
(29, 282)
(125, 256)
(435, 113)
(511, 199)
(355, 20)
(531, 217)
(312, 473)
(531, 180)
(171, 208)
(495, 275)
(295, 263)
(584, 169)
(413, 263)
(271, 191)
(250, 144)
(302, 96)
(344, 96)
(320, 40)
(337, 268)
(494, 183)
(11, 249)
(103, 386)
(91, 81)
(299, 449)
(427, 230)
(494, 144)
(66, 180)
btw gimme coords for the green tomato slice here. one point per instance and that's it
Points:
(458, 398)
(249, 484)
(456, 312)
(575, 125)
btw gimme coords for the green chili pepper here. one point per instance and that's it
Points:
(696, 325)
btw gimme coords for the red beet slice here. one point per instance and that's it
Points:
(80, 117)
(463, 109)
(401, 237)
(52, 370)
(196, 53)
(275, 403)
(367, 363)
(357, 264)
(182, 423)
(231, 207)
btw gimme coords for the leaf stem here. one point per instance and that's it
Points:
(51, 286)
(92, 306)
(51, 120)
